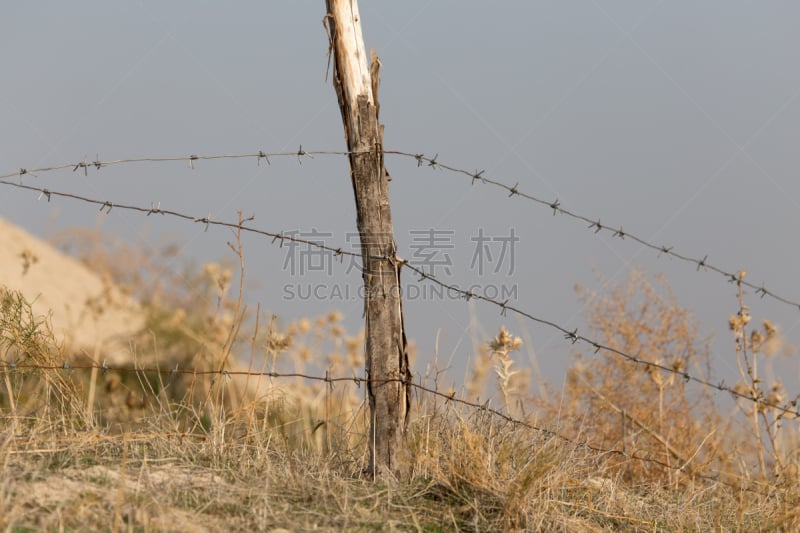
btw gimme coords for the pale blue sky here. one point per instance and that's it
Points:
(676, 120)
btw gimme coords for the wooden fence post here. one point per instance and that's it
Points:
(387, 368)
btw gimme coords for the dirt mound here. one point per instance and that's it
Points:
(86, 310)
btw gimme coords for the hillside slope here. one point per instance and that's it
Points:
(85, 309)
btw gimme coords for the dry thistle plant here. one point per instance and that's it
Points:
(765, 422)
(511, 382)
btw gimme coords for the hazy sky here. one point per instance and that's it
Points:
(678, 121)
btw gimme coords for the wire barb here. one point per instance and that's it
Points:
(301, 153)
(572, 336)
(82, 165)
(204, 220)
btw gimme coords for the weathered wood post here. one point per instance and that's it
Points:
(387, 369)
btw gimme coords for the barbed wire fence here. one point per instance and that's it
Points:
(570, 335)
(594, 224)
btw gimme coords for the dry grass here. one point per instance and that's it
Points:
(142, 451)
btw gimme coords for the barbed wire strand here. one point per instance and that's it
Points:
(97, 164)
(107, 206)
(595, 224)
(449, 397)
(572, 336)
